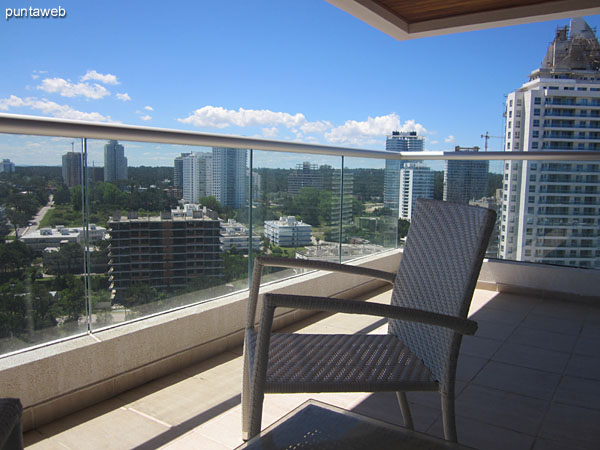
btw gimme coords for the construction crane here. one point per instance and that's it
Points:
(487, 136)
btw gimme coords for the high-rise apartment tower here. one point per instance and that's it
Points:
(551, 209)
(71, 168)
(398, 142)
(115, 162)
(230, 184)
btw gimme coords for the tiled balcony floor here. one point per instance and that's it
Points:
(529, 379)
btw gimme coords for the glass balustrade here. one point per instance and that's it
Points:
(101, 232)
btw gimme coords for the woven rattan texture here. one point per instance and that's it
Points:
(322, 363)
(437, 272)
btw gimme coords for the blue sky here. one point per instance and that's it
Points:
(302, 71)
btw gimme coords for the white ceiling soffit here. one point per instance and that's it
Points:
(378, 16)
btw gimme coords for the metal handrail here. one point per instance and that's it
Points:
(45, 126)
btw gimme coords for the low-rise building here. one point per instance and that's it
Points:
(235, 235)
(53, 237)
(288, 232)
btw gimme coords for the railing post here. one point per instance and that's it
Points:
(341, 210)
(250, 227)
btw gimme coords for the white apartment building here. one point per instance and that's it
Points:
(416, 181)
(235, 234)
(196, 176)
(288, 232)
(398, 142)
(230, 183)
(551, 209)
(53, 237)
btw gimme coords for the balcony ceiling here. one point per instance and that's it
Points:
(411, 19)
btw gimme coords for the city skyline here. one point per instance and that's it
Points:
(293, 88)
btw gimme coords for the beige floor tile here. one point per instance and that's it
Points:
(217, 367)
(480, 299)
(43, 444)
(186, 400)
(95, 428)
(195, 440)
(199, 407)
(225, 429)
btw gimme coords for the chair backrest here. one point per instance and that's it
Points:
(444, 250)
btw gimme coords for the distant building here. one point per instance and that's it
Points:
(416, 181)
(398, 142)
(6, 166)
(162, 251)
(256, 186)
(465, 180)
(229, 180)
(341, 199)
(178, 170)
(288, 232)
(491, 203)
(235, 234)
(115, 162)
(71, 168)
(304, 175)
(197, 176)
(551, 209)
(53, 237)
(193, 209)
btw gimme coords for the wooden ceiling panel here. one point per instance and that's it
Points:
(413, 11)
(413, 19)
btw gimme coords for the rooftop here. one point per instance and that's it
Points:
(529, 378)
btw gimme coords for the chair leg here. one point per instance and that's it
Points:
(448, 417)
(246, 397)
(402, 400)
(257, 397)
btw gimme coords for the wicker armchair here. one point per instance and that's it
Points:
(426, 320)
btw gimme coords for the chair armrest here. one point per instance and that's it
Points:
(327, 266)
(262, 261)
(457, 324)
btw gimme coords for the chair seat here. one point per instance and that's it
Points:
(328, 362)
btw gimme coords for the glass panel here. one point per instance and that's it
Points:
(174, 218)
(295, 209)
(368, 225)
(41, 254)
(551, 213)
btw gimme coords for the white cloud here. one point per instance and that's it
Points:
(146, 118)
(371, 131)
(449, 139)
(124, 96)
(434, 142)
(148, 108)
(68, 89)
(50, 109)
(38, 73)
(270, 132)
(102, 78)
(316, 127)
(218, 117)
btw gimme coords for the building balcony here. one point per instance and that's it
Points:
(159, 370)
(529, 378)
(569, 124)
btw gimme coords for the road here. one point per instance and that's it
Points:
(35, 221)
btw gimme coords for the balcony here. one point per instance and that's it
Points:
(529, 378)
(183, 352)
